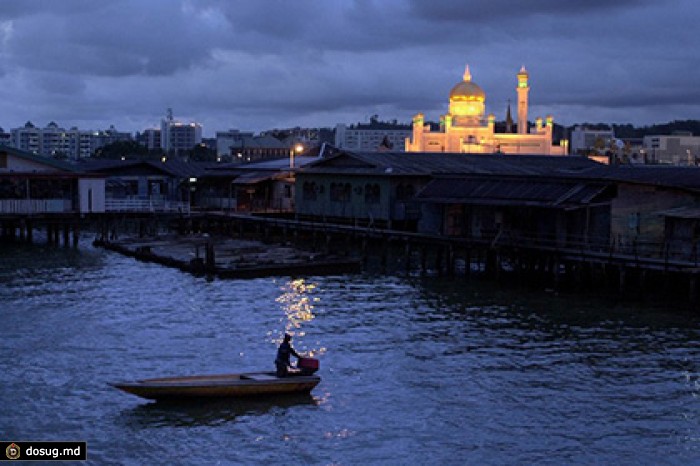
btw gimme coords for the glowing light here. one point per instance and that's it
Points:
(297, 303)
(299, 148)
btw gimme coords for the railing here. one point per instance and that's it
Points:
(146, 205)
(221, 203)
(620, 245)
(35, 206)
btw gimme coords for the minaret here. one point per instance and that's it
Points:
(509, 120)
(523, 91)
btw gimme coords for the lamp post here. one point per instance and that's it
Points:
(296, 150)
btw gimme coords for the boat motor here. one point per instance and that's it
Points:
(307, 366)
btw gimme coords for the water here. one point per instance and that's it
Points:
(414, 370)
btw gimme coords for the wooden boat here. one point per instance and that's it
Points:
(252, 384)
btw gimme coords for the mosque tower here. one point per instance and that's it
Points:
(523, 91)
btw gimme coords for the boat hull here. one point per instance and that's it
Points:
(246, 385)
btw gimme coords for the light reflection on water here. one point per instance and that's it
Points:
(297, 301)
(427, 371)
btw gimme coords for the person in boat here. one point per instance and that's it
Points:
(284, 352)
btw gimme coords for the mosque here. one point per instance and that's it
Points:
(464, 128)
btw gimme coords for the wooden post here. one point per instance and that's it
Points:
(693, 290)
(209, 258)
(407, 256)
(384, 254)
(76, 234)
(66, 235)
(467, 262)
(622, 284)
(556, 269)
(450, 260)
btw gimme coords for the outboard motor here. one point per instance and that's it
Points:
(307, 366)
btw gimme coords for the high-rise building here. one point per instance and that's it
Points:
(176, 136)
(5, 138)
(26, 138)
(150, 138)
(54, 141)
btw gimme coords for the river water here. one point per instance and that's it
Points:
(414, 370)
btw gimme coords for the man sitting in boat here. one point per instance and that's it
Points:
(284, 352)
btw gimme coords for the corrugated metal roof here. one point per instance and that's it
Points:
(536, 191)
(421, 163)
(658, 175)
(257, 177)
(270, 164)
(682, 212)
(57, 164)
(171, 166)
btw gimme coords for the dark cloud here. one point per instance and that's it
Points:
(498, 11)
(260, 64)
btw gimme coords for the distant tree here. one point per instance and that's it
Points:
(202, 153)
(119, 149)
(599, 145)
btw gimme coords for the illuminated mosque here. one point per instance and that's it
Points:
(464, 128)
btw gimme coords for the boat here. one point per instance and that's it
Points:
(244, 385)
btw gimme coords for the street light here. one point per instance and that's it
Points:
(296, 150)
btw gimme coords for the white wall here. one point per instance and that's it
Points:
(91, 195)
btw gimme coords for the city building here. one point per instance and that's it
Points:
(26, 138)
(585, 141)
(466, 128)
(5, 138)
(308, 137)
(254, 148)
(109, 136)
(57, 142)
(177, 136)
(227, 139)
(674, 149)
(374, 136)
(149, 138)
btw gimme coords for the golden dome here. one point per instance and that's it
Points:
(467, 90)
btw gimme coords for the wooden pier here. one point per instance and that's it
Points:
(624, 271)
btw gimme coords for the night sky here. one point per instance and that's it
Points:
(256, 65)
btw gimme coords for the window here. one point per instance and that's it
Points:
(372, 193)
(341, 192)
(309, 191)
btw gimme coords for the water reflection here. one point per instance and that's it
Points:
(210, 412)
(297, 302)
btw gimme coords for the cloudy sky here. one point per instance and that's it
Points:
(256, 65)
